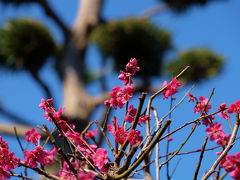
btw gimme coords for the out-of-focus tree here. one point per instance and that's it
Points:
(26, 44)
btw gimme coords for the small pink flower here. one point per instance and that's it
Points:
(191, 97)
(234, 107)
(142, 119)
(91, 134)
(171, 88)
(170, 138)
(235, 173)
(125, 77)
(45, 104)
(229, 162)
(76, 138)
(131, 114)
(121, 135)
(132, 67)
(223, 114)
(206, 121)
(3, 144)
(134, 137)
(4, 174)
(32, 136)
(214, 131)
(201, 104)
(223, 139)
(100, 158)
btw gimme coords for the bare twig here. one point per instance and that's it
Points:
(20, 176)
(19, 142)
(40, 171)
(200, 159)
(157, 145)
(106, 138)
(155, 10)
(149, 148)
(49, 11)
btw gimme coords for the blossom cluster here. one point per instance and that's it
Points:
(7, 160)
(119, 96)
(230, 162)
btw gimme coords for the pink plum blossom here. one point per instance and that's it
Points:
(223, 114)
(171, 88)
(234, 107)
(100, 158)
(32, 136)
(125, 77)
(121, 135)
(91, 134)
(134, 137)
(191, 97)
(132, 67)
(131, 114)
(214, 131)
(201, 104)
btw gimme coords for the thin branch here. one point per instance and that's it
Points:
(14, 117)
(42, 84)
(150, 138)
(178, 149)
(50, 12)
(60, 151)
(200, 159)
(40, 171)
(157, 145)
(149, 148)
(134, 124)
(19, 142)
(175, 168)
(20, 176)
(168, 142)
(104, 135)
(155, 10)
(223, 176)
(225, 151)
(150, 102)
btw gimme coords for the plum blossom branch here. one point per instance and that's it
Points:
(225, 151)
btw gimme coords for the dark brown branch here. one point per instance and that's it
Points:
(41, 172)
(14, 117)
(42, 84)
(50, 12)
(200, 159)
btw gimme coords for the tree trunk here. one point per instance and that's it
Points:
(79, 105)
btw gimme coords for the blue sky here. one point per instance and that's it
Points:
(215, 26)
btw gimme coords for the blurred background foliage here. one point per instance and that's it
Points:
(25, 44)
(203, 62)
(134, 37)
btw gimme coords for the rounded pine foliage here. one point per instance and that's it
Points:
(130, 38)
(203, 62)
(25, 44)
(181, 5)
